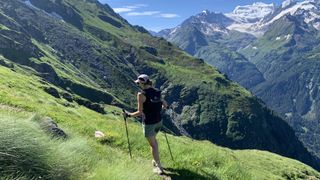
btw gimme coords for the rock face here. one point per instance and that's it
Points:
(51, 127)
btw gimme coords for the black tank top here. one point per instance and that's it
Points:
(152, 106)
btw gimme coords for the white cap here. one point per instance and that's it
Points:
(143, 78)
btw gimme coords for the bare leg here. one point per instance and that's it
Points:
(154, 149)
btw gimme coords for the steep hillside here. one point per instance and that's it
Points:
(287, 55)
(86, 54)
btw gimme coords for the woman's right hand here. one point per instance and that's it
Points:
(126, 114)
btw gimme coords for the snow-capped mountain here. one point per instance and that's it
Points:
(246, 17)
(254, 19)
(309, 10)
(207, 22)
(251, 13)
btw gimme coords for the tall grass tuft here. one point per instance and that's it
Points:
(28, 153)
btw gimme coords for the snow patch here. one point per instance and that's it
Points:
(246, 28)
(278, 38)
(317, 25)
(287, 37)
(310, 85)
(254, 47)
(311, 17)
(206, 12)
(287, 3)
(209, 29)
(174, 30)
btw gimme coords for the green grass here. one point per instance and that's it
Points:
(21, 96)
(190, 77)
(2, 27)
(27, 152)
(271, 165)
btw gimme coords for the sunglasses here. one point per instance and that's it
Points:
(141, 79)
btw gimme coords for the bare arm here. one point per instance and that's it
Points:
(141, 99)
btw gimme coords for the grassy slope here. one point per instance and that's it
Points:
(26, 92)
(21, 96)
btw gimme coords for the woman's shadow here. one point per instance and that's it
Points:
(182, 174)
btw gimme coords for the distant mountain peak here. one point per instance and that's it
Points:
(206, 12)
(209, 14)
(209, 18)
(251, 13)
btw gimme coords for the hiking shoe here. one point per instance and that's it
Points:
(154, 164)
(158, 170)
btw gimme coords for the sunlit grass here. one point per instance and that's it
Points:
(22, 96)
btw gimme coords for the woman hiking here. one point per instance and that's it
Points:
(150, 105)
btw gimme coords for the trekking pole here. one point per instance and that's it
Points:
(125, 122)
(165, 135)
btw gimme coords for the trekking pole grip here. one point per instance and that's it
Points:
(124, 114)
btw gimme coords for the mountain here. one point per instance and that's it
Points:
(308, 10)
(75, 61)
(287, 55)
(281, 60)
(206, 36)
(267, 14)
(247, 17)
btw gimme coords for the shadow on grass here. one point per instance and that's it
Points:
(177, 174)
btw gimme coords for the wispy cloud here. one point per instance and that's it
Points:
(144, 13)
(136, 6)
(131, 8)
(122, 10)
(136, 10)
(169, 15)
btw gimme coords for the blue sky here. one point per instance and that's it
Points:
(161, 14)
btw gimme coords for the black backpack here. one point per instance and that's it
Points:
(153, 105)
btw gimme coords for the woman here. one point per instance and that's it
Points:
(150, 104)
